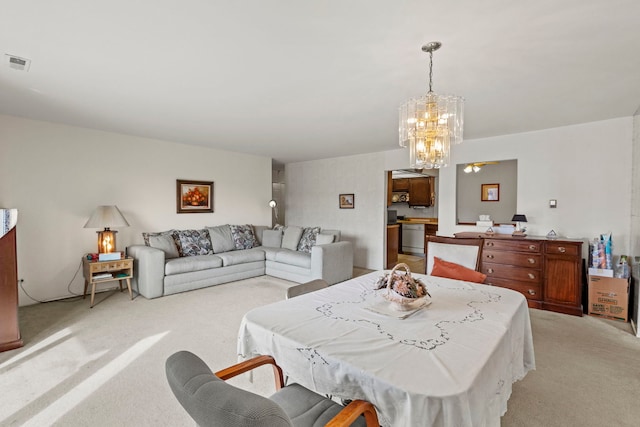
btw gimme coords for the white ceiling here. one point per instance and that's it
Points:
(300, 80)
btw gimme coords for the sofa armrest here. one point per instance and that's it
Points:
(148, 270)
(332, 262)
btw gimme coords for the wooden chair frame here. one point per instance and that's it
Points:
(344, 418)
(479, 242)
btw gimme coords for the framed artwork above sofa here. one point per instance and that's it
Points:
(194, 196)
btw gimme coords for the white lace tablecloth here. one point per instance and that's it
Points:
(451, 363)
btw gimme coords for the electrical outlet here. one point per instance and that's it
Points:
(553, 203)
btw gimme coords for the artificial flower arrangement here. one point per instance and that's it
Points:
(404, 291)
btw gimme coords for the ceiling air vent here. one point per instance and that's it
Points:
(17, 63)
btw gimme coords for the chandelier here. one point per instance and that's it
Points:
(430, 124)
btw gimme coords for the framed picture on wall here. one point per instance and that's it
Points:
(194, 196)
(490, 193)
(346, 201)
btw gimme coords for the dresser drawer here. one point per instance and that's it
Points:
(512, 258)
(531, 246)
(532, 291)
(509, 272)
(562, 248)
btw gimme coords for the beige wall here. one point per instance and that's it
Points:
(55, 175)
(586, 168)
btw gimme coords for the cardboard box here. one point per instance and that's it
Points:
(609, 297)
(604, 272)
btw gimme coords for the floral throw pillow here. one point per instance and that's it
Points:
(193, 242)
(308, 239)
(243, 236)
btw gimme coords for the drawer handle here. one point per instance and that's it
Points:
(531, 261)
(562, 249)
(489, 283)
(531, 292)
(532, 276)
(490, 256)
(490, 270)
(489, 243)
(532, 247)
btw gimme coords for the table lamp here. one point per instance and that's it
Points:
(107, 217)
(518, 218)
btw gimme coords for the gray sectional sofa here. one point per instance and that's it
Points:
(181, 260)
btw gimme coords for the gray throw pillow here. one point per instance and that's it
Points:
(165, 243)
(221, 239)
(291, 237)
(324, 239)
(272, 238)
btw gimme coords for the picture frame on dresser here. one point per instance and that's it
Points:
(194, 196)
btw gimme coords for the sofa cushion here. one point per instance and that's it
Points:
(324, 239)
(194, 242)
(241, 257)
(165, 242)
(258, 230)
(299, 259)
(272, 238)
(291, 237)
(270, 253)
(243, 236)
(221, 239)
(191, 263)
(308, 239)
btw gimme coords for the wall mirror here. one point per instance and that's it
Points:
(486, 188)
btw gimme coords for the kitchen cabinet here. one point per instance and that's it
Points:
(421, 191)
(401, 184)
(393, 240)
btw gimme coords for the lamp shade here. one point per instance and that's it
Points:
(519, 218)
(106, 217)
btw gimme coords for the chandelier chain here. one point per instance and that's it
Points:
(430, 71)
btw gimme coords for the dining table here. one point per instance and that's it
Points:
(451, 362)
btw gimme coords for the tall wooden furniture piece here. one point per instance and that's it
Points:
(9, 327)
(547, 272)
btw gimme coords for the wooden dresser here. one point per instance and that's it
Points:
(547, 272)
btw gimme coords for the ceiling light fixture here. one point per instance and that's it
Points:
(475, 167)
(430, 124)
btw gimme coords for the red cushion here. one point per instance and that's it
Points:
(451, 270)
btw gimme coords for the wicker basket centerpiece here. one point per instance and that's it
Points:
(404, 291)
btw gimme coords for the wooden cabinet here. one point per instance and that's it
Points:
(514, 264)
(389, 188)
(421, 191)
(546, 272)
(562, 282)
(393, 242)
(401, 184)
(9, 329)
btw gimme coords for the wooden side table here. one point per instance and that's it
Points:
(106, 271)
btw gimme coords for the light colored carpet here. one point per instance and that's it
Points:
(105, 366)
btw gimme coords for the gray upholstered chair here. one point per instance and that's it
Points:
(465, 252)
(304, 288)
(210, 401)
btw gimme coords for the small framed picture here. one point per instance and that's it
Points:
(194, 196)
(490, 193)
(346, 201)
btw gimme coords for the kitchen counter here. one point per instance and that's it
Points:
(430, 221)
